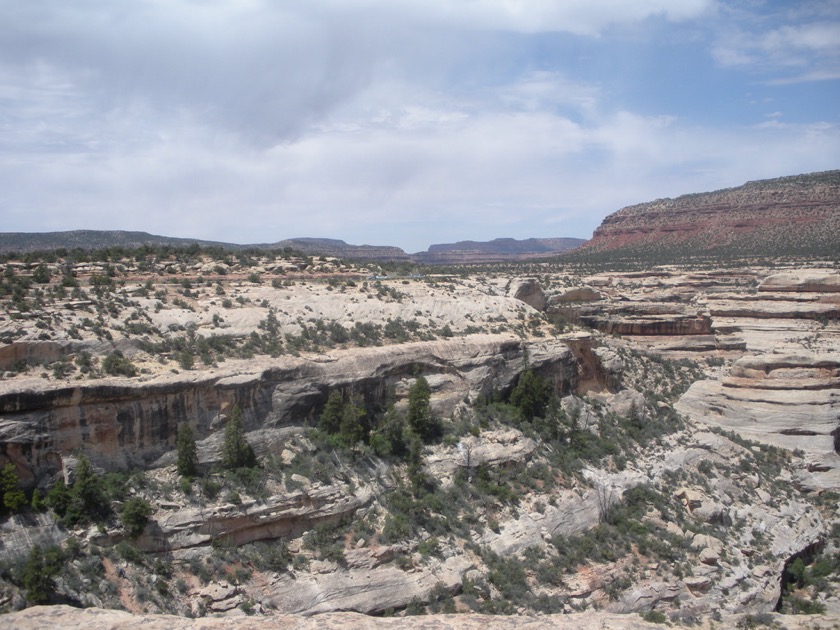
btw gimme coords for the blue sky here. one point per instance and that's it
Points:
(406, 122)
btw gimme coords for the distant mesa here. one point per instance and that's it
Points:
(501, 249)
(93, 239)
(787, 216)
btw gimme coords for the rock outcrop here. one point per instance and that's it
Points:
(788, 215)
(638, 318)
(792, 401)
(122, 424)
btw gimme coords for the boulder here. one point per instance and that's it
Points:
(530, 292)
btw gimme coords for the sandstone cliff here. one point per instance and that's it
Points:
(122, 424)
(775, 217)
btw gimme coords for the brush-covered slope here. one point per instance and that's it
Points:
(787, 216)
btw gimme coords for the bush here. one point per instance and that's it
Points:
(531, 395)
(38, 571)
(135, 515)
(116, 364)
(420, 417)
(83, 501)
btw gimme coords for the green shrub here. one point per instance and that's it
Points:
(134, 516)
(116, 364)
(38, 572)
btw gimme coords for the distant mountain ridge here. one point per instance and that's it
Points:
(448, 253)
(496, 250)
(797, 215)
(93, 239)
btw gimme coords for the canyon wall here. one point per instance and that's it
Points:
(121, 423)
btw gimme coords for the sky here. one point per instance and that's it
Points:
(401, 122)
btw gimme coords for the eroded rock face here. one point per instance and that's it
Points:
(792, 401)
(636, 318)
(123, 424)
(784, 215)
(282, 515)
(809, 280)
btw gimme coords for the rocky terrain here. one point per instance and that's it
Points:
(267, 435)
(660, 443)
(788, 216)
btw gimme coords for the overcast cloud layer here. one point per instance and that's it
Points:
(406, 122)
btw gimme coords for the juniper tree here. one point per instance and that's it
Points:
(420, 417)
(187, 455)
(236, 451)
(13, 498)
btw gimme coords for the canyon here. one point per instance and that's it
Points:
(584, 441)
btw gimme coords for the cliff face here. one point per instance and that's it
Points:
(788, 215)
(123, 424)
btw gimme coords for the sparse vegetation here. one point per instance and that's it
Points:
(417, 486)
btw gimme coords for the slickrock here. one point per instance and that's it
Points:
(530, 292)
(40, 617)
(492, 448)
(279, 516)
(366, 591)
(791, 401)
(802, 281)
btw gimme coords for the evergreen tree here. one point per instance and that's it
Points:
(38, 503)
(187, 464)
(135, 515)
(13, 498)
(58, 498)
(351, 429)
(530, 395)
(87, 496)
(236, 451)
(421, 420)
(331, 416)
(37, 577)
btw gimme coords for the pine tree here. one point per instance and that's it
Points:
(13, 498)
(351, 429)
(187, 455)
(330, 419)
(135, 515)
(420, 417)
(37, 577)
(236, 451)
(530, 395)
(87, 496)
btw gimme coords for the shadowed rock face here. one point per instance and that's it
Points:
(123, 424)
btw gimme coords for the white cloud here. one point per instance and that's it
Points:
(810, 50)
(582, 17)
(379, 123)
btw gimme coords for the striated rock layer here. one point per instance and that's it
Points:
(788, 215)
(122, 424)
